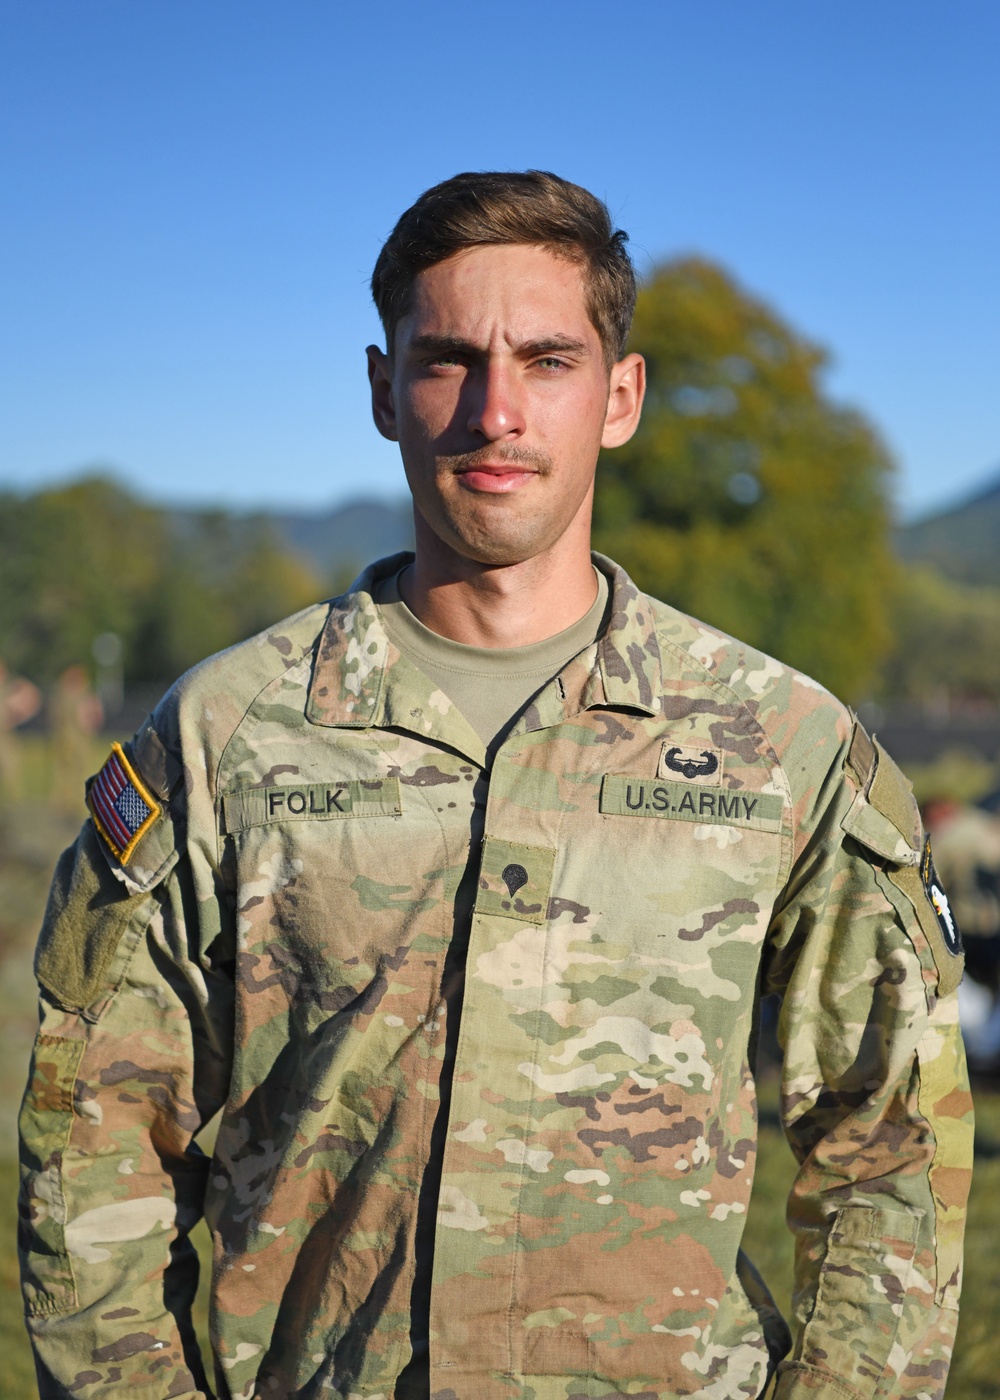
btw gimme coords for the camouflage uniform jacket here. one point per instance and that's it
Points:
(676, 825)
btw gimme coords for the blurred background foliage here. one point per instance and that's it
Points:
(748, 497)
(86, 559)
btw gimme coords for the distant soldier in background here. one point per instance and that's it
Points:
(967, 856)
(75, 714)
(20, 701)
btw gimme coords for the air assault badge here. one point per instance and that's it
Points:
(121, 806)
(691, 762)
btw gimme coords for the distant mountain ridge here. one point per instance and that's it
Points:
(335, 543)
(347, 537)
(963, 541)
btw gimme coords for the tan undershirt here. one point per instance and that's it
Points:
(490, 686)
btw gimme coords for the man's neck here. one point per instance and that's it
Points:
(510, 605)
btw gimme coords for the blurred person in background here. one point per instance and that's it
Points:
(20, 701)
(75, 715)
(456, 897)
(967, 855)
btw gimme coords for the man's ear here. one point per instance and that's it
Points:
(383, 405)
(625, 394)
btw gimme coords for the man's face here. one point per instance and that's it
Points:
(499, 398)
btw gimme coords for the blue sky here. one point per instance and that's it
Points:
(192, 194)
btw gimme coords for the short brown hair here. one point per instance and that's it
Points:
(525, 206)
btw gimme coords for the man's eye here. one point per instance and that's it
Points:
(550, 362)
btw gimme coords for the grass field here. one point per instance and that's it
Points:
(37, 821)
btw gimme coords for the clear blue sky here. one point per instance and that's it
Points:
(192, 193)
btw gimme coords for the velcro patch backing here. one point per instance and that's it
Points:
(892, 795)
(937, 922)
(861, 757)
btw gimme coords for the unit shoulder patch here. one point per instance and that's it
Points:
(925, 895)
(939, 902)
(122, 807)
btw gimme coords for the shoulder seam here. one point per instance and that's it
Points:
(306, 657)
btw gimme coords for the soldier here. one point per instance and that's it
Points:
(20, 701)
(456, 897)
(967, 854)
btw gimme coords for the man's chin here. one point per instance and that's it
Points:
(494, 548)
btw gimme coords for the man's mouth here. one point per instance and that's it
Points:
(495, 477)
(497, 473)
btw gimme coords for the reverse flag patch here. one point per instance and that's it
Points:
(938, 900)
(121, 806)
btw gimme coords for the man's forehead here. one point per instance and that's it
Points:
(520, 290)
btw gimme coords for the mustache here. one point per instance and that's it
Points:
(509, 455)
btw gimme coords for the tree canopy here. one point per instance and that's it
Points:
(748, 497)
(85, 559)
(946, 639)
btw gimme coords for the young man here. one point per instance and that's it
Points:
(457, 897)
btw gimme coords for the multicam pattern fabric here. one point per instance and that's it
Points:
(335, 877)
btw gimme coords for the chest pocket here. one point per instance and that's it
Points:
(661, 900)
(687, 862)
(339, 884)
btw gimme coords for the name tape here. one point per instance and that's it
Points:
(624, 796)
(376, 797)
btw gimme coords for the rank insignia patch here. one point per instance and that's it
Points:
(947, 922)
(122, 808)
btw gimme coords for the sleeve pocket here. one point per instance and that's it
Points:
(859, 1300)
(46, 1122)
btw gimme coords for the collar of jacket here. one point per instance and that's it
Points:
(358, 670)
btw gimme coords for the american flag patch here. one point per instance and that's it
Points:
(120, 805)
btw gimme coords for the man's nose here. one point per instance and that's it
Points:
(495, 408)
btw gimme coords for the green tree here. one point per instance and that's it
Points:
(946, 640)
(225, 579)
(88, 558)
(74, 561)
(747, 497)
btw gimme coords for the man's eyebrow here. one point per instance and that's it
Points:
(554, 344)
(442, 345)
(455, 345)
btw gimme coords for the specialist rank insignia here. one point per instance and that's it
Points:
(939, 902)
(121, 806)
